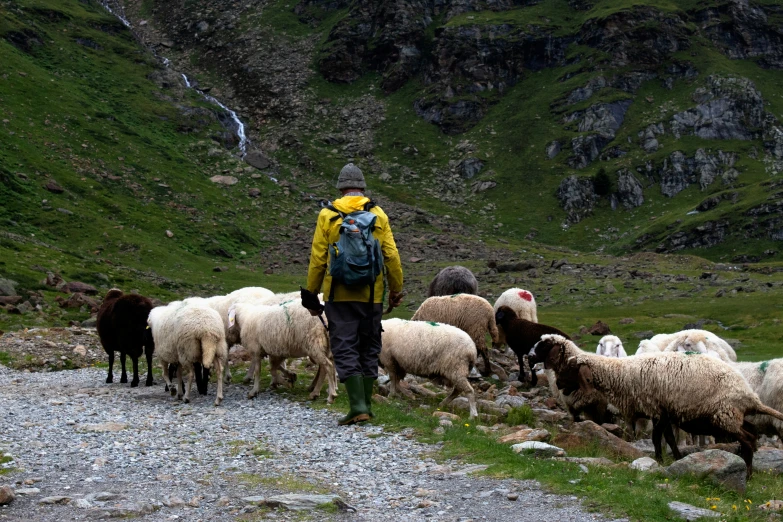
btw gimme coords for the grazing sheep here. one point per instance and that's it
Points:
(668, 388)
(701, 341)
(655, 344)
(122, 321)
(611, 346)
(766, 379)
(185, 334)
(283, 331)
(470, 313)
(437, 351)
(453, 280)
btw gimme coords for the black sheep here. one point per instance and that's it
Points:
(453, 280)
(122, 325)
(522, 335)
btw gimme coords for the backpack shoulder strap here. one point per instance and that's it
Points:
(333, 209)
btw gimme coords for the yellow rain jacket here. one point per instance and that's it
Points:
(327, 231)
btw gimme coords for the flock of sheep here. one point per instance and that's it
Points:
(688, 380)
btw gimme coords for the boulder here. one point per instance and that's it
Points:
(718, 466)
(53, 187)
(224, 180)
(599, 328)
(545, 415)
(770, 460)
(577, 197)
(253, 192)
(689, 512)
(6, 495)
(469, 167)
(10, 300)
(525, 436)
(76, 286)
(78, 300)
(8, 287)
(257, 159)
(630, 192)
(54, 280)
(645, 464)
(589, 433)
(299, 502)
(539, 449)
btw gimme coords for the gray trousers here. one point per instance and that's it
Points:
(355, 336)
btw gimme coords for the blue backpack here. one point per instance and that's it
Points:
(356, 258)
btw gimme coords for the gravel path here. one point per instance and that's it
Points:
(114, 451)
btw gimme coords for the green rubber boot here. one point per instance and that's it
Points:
(368, 384)
(355, 391)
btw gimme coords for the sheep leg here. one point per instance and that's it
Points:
(110, 377)
(747, 438)
(256, 376)
(251, 371)
(135, 381)
(167, 377)
(191, 375)
(220, 370)
(671, 440)
(148, 355)
(315, 380)
(487, 370)
(462, 385)
(180, 386)
(124, 376)
(657, 432)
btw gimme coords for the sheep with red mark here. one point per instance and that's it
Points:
(522, 302)
(122, 321)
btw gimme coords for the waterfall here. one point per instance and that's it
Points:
(240, 127)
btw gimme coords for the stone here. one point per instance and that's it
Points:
(84, 288)
(10, 299)
(588, 433)
(6, 495)
(8, 287)
(545, 415)
(27, 491)
(770, 460)
(80, 350)
(53, 187)
(55, 500)
(104, 427)
(169, 233)
(599, 328)
(512, 496)
(175, 501)
(577, 197)
(92, 322)
(592, 461)
(689, 512)
(469, 167)
(630, 192)
(256, 499)
(525, 435)
(81, 503)
(539, 449)
(446, 415)
(253, 192)
(300, 502)
(513, 401)
(718, 466)
(224, 180)
(257, 159)
(772, 505)
(644, 464)
(553, 149)
(614, 429)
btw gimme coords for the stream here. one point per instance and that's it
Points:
(238, 124)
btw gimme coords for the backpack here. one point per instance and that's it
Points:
(356, 258)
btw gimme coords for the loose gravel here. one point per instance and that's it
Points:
(83, 449)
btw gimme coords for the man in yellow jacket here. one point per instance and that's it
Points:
(354, 321)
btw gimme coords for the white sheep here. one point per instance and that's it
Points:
(522, 302)
(283, 331)
(766, 379)
(655, 344)
(611, 346)
(701, 341)
(668, 388)
(187, 333)
(471, 314)
(428, 349)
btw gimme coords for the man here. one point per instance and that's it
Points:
(354, 311)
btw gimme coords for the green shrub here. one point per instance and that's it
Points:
(520, 415)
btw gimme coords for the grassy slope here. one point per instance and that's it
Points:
(512, 138)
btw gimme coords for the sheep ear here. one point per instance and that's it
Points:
(585, 379)
(552, 357)
(499, 316)
(232, 314)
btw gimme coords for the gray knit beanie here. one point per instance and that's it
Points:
(351, 177)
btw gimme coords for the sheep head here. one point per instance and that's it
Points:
(694, 342)
(114, 293)
(610, 346)
(504, 314)
(550, 350)
(233, 333)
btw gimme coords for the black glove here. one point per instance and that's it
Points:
(311, 301)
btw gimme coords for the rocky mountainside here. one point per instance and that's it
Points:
(471, 106)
